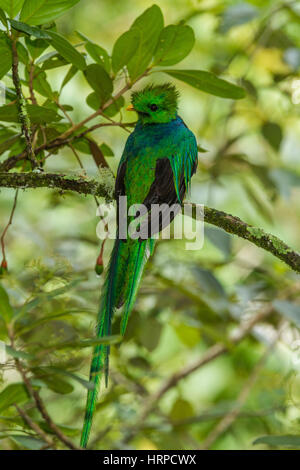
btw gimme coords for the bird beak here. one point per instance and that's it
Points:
(130, 108)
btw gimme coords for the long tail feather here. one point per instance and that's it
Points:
(135, 271)
(100, 361)
(123, 276)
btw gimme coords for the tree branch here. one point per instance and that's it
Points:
(267, 241)
(51, 180)
(6, 228)
(23, 115)
(34, 426)
(227, 222)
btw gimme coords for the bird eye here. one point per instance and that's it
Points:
(153, 107)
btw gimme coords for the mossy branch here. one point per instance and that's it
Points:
(258, 236)
(77, 184)
(21, 103)
(227, 222)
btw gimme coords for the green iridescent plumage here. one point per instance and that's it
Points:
(156, 167)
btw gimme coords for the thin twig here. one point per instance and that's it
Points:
(7, 226)
(35, 427)
(61, 107)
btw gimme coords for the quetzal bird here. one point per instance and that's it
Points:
(158, 161)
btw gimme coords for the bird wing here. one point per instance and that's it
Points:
(172, 179)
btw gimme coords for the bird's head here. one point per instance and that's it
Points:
(155, 104)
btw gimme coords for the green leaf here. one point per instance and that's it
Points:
(31, 30)
(18, 354)
(84, 343)
(7, 139)
(37, 114)
(150, 342)
(273, 134)
(52, 60)
(85, 383)
(174, 44)
(181, 409)
(149, 24)
(35, 46)
(69, 75)
(40, 83)
(82, 145)
(22, 53)
(6, 311)
(188, 335)
(44, 11)
(94, 102)
(42, 86)
(67, 430)
(28, 442)
(100, 81)
(67, 51)
(115, 107)
(13, 393)
(285, 441)
(97, 53)
(106, 150)
(289, 310)
(54, 383)
(12, 7)
(209, 83)
(236, 15)
(124, 48)
(6, 56)
(3, 17)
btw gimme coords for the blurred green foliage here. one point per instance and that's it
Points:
(188, 300)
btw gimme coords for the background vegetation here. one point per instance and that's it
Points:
(211, 355)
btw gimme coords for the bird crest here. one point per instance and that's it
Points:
(155, 104)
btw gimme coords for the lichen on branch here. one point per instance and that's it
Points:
(77, 184)
(21, 103)
(104, 188)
